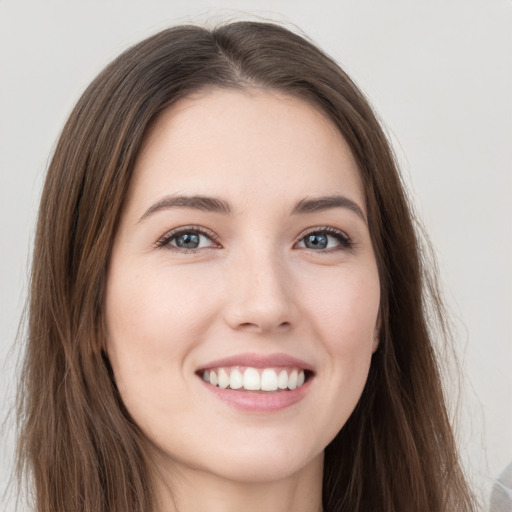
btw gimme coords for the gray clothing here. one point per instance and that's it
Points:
(501, 495)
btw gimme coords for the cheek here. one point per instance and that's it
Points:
(155, 319)
(146, 324)
(149, 308)
(345, 308)
(345, 315)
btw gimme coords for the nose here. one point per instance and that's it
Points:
(261, 298)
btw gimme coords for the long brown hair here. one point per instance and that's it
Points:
(77, 442)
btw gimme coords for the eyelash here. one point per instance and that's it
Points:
(165, 241)
(345, 242)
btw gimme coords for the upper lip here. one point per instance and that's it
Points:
(259, 361)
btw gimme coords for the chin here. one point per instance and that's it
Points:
(264, 469)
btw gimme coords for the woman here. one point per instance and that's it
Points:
(228, 304)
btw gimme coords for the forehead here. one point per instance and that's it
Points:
(225, 142)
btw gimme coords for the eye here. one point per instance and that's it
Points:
(187, 239)
(325, 239)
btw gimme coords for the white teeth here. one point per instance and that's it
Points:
(236, 379)
(252, 381)
(255, 380)
(292, 380)
(223, 379)
(282, 380)
(268, 380)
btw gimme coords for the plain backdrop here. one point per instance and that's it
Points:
(439, 74)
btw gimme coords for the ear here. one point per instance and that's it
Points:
(376, 334)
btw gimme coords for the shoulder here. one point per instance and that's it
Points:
(501, 496)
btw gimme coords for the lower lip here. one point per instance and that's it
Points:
(259, 402)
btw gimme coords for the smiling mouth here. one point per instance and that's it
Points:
(264, 380)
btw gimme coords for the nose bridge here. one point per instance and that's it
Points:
(261, 293)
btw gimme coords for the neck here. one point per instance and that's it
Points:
(198, 491)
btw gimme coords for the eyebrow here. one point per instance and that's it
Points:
(216, 205)
(320, 204)
(203, 203)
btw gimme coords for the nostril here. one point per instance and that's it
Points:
(249, 325)
(263, 327)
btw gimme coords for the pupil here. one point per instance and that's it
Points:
(316, 241)
(188, 241)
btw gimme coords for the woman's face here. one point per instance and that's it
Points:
(243, 257)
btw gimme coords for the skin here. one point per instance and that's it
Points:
(252, 286)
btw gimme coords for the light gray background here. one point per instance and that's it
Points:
(439, 74)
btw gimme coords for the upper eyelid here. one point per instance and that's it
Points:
(324, 229)
(346, 242)
(169, 235)
(215, 238)
(192, 227)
